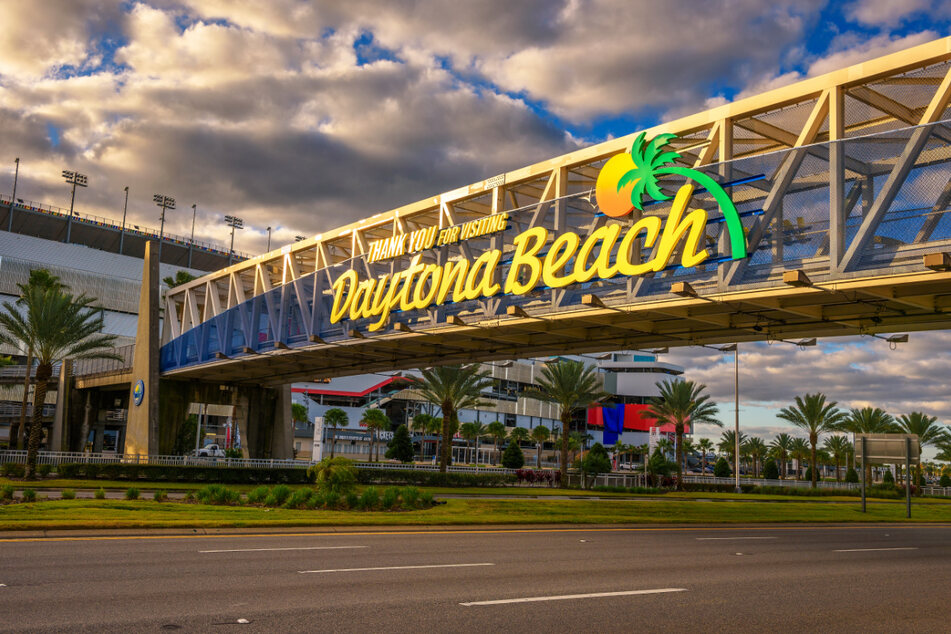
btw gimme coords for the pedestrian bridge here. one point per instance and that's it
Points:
(818, 209)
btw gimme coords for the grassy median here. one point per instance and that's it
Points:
(104, 514)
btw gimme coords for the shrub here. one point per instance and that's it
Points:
(852, 475)
(596, 461)
(29, 495)
(6, 492)
(391, 498)
(426, 499)
(44, 470)
(160, 496)
(369, 499)
(221, 474)
(945, 481)
(352, 500)
(333, 474)
(132, 493)
(68, 494)
(410, 497)
(190, 496)
(433, 478)
(100, 494)
(233, 453)
(218, 494)
(770, 470)
(329, 499)
(887, 477)
(68, 471)
(722, 468)
(278, 495)
(401, 446)
(512, 457)
(258, 495)
(13, 470)
(299, 499)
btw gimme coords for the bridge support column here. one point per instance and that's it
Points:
(62, 406)
(142, 427)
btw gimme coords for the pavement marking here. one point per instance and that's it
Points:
(710, 539)
(255, 550)
(565, 597)
(869, 550)
(304, 572)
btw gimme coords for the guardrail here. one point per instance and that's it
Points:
(790, 484)
(939, 491)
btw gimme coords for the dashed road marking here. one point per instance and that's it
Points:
(304, 572)
(566, 597)
(257, 550)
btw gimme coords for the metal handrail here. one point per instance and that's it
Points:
(792, 484)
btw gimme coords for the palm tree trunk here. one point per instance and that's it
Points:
(332, 441)
(563, 467)
(837, 463)
(43, 373)
(538, 456)
(680, 457)
(477, 443)
(815, 470)
(20, 434)
(447, 416)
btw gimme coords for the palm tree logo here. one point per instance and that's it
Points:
(626, 178)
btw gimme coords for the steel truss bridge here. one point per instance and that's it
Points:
(842, 182)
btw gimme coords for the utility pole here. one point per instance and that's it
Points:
(191, 243)
(268, 240)
(13, 198)
(125, 208)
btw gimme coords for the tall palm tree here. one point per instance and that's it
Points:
(540, 434)
(519, 435)
(425, 424)
(55, 325)
(927, 428)
(687, 448)
(756, 449)
(816, 416)
(452, 388)
(472, 432)
(571, 385)
(680, 403)
(869, 420)
(727, 445)
(644, 452)
(705, 445)
(334, 418)
(838, 447)
(375, 420)
(498, 432)
(780, 446)
(620, 451)
(799, 451)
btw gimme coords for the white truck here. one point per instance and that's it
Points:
(210, 451)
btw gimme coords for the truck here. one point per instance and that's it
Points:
(210, 451)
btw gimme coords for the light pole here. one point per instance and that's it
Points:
(268, 240)
(235, 223)
(191, 242)
(165, 202)
(73, 178)
(125, 208)
(13, 198)
(299, 238)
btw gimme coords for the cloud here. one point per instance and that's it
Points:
(889, 12)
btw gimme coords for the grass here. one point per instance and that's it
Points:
(106, 514)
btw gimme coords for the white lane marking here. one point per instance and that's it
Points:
(712, 539)
(257, 550)
(565, 597)
(304, 572)
(869, 550)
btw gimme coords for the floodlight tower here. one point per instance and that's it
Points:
(75, 179)
(165, 202)
(235, 223)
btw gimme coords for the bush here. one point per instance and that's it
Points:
(160, 496)
(433, 478)
(410, 497)
(770, 470)
(100, 494)
(6, 492)
(13, 470)
(426, 499)
(299, 499)
(945, 481)
(512, 457)
(132, 493)
(369, 499)
(218, 495)
(352, 500)
(233, 453)
(278, 495)
(722, 468)
(29, 495)
(596, 461)
(44, 470)
(258, 495)
(333, 474)
(808, 476)
(887, 477)
(212, 474)
(852, 475)
(68, 494)
(190, 496)
(401, 446)
(391, 498)
(329, 499)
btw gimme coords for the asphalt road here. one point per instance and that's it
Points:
(757, 579)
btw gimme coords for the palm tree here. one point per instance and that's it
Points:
(838, 447)
(799, 452)
(375, 420)
(498, 432)
(540, 434)
(334, 418)
(54, 325)
(620, 450)
(926, 427)
(780, 446)
(473, 432)
(757, 451)
(425, 424)
(452, 388)
(686, 449)
(869, 420)
(681, 402)
(705, 445)
(666, 446)
(727, 445)
(813, 414)
(181, 277)
(643, 451)
(571, 385)
(519, 435)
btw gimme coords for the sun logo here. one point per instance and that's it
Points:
(626, 178)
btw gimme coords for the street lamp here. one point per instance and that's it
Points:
(165, 202)
(235, 223)
(268, 240)
(191, 242)
(13, 198)
(73, 178)
(125, 208)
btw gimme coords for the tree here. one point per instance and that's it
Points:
(681, 402)
(334, 418)
(926, 427)
(571, 385)
(401, 446)
(473, 432)
(512, 457)
(540, 434)
(643, 451)
(299, 412)
(770, 470)
(375, 421)
(425, 424)
(181, 277)
(55, 325)
(722, 468)
(869, 420)
(816, 416)
(727, 444)
(452, 388)
(705, 445)
(838, 448)
(333, 475)
(596, 461)
(780, 447)
(498, 432)
(757, 451)
(518, 435)
(799, 451)
(687, 448)
(657, 466)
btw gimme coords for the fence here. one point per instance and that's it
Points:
(19, 372)
(939, 491)
(763, 482)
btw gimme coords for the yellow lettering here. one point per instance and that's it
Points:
(607, 236)
(383, 303)
(674, 229)
(454, 277)
(562, 249)
(432, 274)
(527, 245)
(651, 226)
(342, 297)
(406, 303)
(362, 299)
(479, 282)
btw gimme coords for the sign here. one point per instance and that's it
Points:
(542, 259)
(886, 448)
(317, 454)
(138, 392)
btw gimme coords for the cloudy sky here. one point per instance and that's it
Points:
(306, 115)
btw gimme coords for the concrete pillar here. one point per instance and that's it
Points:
(142, 427)
(62, 406)
(282, 438)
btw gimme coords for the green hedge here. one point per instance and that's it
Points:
(433, 478)
(156, 473)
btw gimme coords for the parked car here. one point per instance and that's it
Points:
(210, 451)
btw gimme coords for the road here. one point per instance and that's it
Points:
(796, 578)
